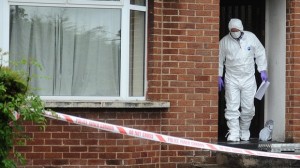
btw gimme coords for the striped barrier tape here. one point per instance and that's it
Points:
(162, 138)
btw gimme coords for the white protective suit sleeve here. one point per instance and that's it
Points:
(221, 59)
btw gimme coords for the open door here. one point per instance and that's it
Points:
(252, 14)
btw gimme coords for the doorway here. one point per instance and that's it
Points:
(252, 14)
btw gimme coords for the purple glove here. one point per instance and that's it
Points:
(220, 83)
(264, 75)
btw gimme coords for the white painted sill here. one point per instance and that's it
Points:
(105, 104)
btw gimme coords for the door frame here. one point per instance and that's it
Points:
(275, 42)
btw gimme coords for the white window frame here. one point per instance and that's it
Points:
(124, 5)
(87, 2)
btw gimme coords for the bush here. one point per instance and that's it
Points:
(15, 100)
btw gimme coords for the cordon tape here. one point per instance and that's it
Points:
(162, 138)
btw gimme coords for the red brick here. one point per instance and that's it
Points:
(41, 162)
(78, 135)
(71, 155)
(60, 135)
(34, 155)
(78, 149)
(53, 155)
(71, 142)
(107, 155)
(96, 162)
(41, 149)
(60, 162)
(23, 148)
(53, 142)
(54, 128)
(42, 135)
(60, 149)
(89, 155)
(79, 162)
(96, 149)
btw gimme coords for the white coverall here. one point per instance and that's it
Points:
(239, 58)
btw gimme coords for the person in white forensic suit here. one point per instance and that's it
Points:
(239, 50)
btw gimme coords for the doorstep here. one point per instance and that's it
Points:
(233, 160)
(251, 144)
(267, 146)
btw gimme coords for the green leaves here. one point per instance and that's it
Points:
(15, 96)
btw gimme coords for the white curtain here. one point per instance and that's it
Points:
(78, 48)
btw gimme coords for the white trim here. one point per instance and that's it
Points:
(4, 30)
(69, 2)
(38, 1)
(120, 2)
(146, 51)
(66, 5)
(88, 98)
(106, 104)
(275, 99)
(138, 8)
(124, 80)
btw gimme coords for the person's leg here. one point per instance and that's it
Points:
(247, 107)
(232, 114)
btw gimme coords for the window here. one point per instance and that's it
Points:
(88, 49)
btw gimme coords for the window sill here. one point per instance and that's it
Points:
(105, 104)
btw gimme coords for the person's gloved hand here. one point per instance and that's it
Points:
(220, 83)
(264, 75)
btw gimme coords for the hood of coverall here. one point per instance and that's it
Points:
(235, 23)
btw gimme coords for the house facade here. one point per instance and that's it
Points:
(149, 65)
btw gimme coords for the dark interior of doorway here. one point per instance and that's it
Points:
(252, 14)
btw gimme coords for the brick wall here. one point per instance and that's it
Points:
(182, 69)
(293, 71)
(64, 145)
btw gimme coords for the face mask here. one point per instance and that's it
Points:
(236, 34)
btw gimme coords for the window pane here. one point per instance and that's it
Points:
(137, 53)
(78, 48)
(138, 2)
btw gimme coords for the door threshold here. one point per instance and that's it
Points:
(268, 146)
(251, 144)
